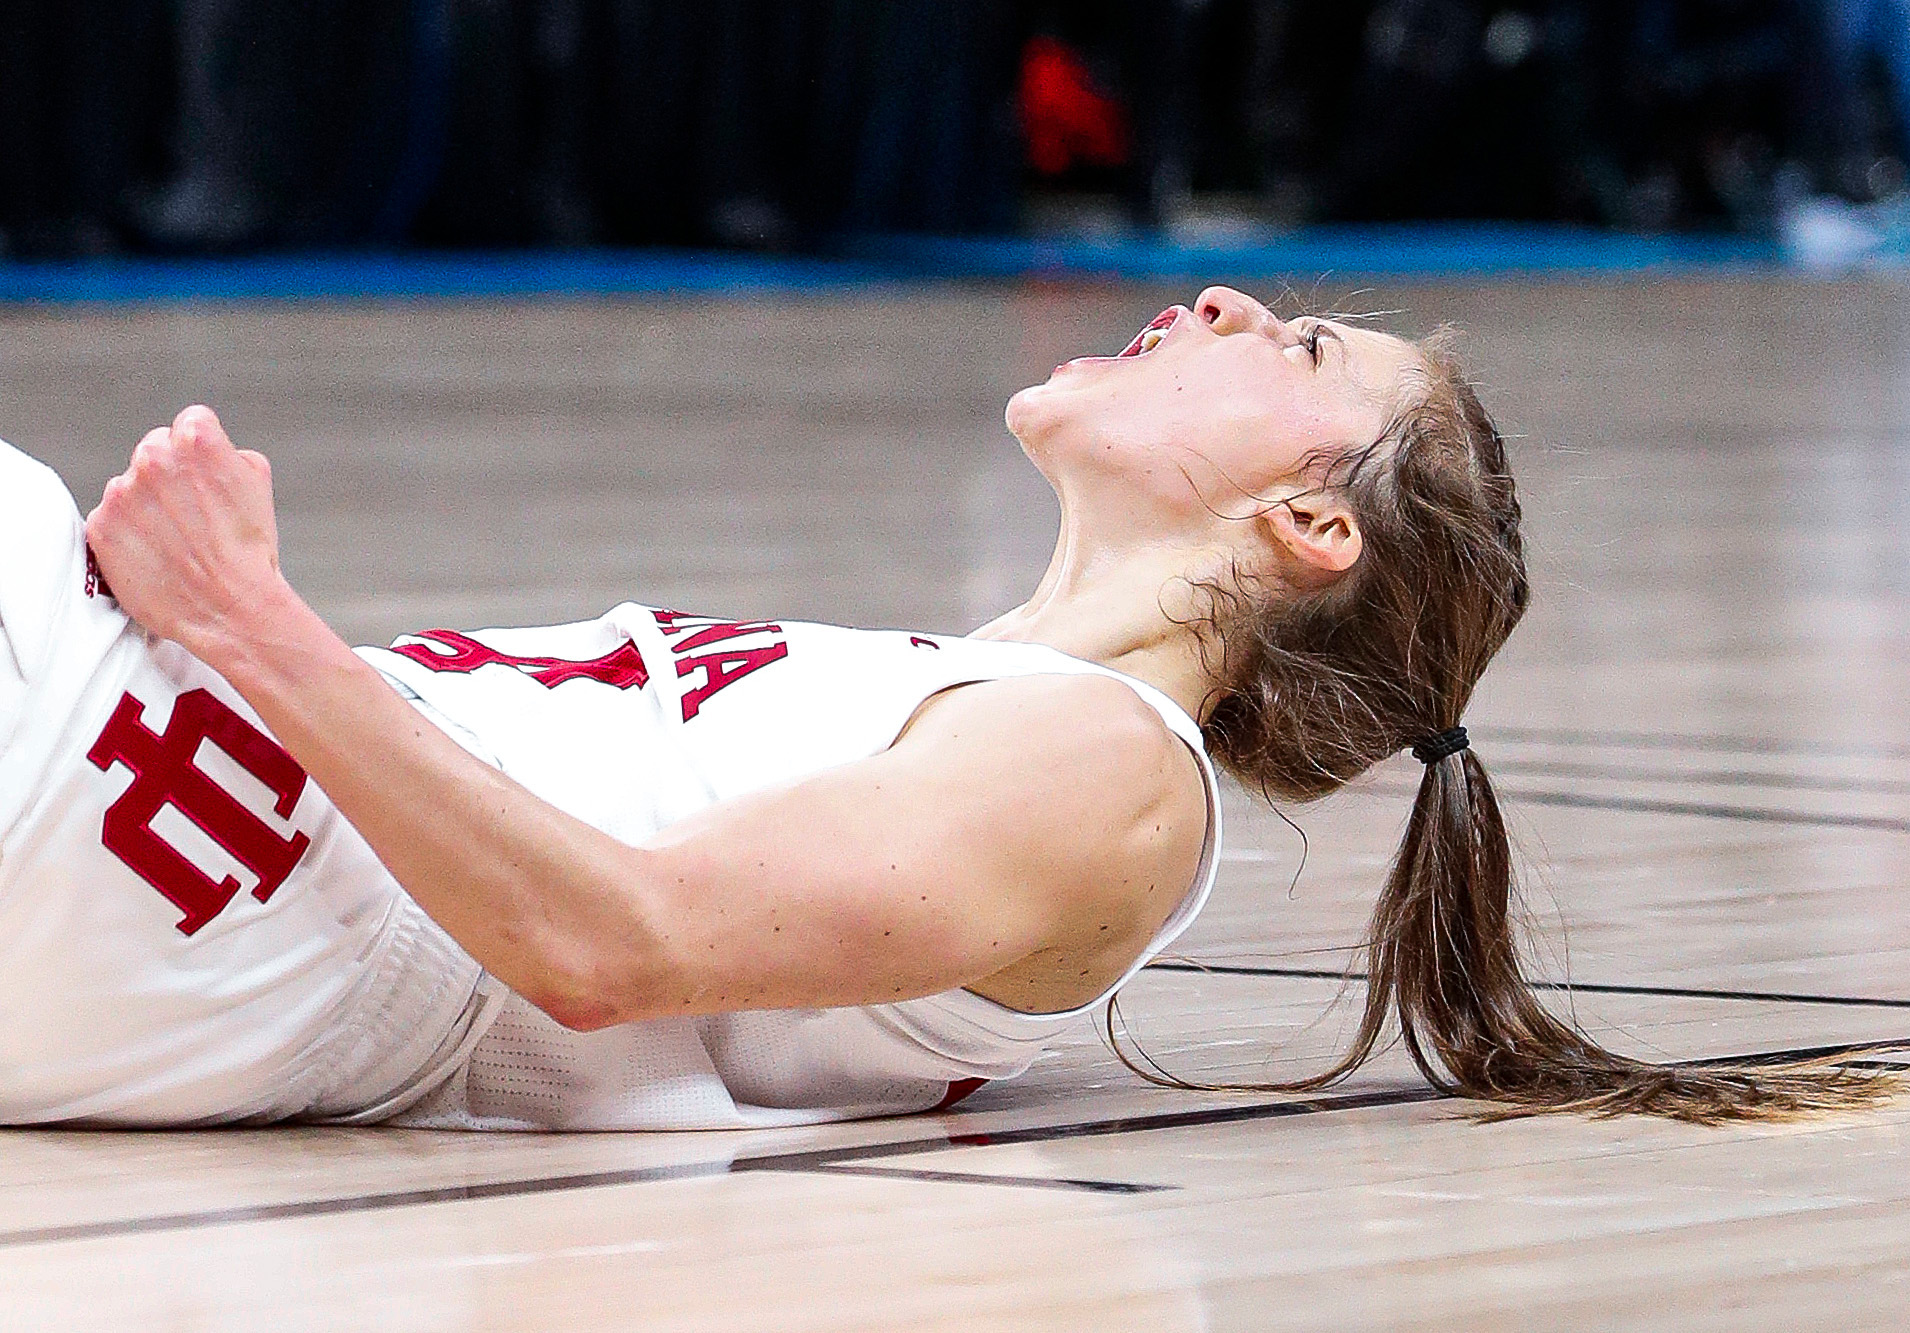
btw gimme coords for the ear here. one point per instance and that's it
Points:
(1318, 533)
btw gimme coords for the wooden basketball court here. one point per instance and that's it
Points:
(1703, 730)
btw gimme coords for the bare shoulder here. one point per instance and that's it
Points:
(1091, 732)
(1103, 806)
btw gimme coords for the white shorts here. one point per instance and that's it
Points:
(190, 933)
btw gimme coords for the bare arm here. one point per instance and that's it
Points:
(1031, 832)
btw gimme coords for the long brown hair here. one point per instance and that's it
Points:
(1320, 686)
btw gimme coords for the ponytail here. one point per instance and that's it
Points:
(1443, 959)
(1442, 956)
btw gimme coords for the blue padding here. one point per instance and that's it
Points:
(1405, 251)
(421, 276)
(1402, 250)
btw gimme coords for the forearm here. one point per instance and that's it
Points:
(546, 903)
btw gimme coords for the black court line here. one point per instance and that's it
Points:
(1706, 810)
(821, 1161)
(968, 1178)
(1552, 768)
(1676, 740)
(1565, 987)
(1804, 1054)
(1701, 809)
(815, 1160)
(362, 1203)
(1088, 1129)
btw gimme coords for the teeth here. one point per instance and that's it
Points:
(1152, 339)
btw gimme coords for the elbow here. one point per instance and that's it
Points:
(578, 1013)
(619, 969)
(593, 990)
(578, 995)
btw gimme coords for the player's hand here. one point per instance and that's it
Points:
(186, 536)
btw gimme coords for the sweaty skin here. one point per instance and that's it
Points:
(1023, 838)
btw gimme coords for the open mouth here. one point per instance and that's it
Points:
(1150, 337)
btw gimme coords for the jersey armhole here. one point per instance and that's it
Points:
(1198, 891)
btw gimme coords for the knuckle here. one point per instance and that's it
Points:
(155, 452)
(197, 425)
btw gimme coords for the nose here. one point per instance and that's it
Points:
(1230, 311)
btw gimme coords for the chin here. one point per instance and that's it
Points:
(1055, 419)
(1024, 413)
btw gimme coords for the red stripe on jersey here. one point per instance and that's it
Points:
(621, 667)
(960, 1089)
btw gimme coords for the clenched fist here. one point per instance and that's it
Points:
(186, 536)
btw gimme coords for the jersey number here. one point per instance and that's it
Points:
(166, 772)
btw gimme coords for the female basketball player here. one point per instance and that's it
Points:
(703, 872)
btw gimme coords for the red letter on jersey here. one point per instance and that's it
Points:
(164, 773)
(724, 667)
(622, 667)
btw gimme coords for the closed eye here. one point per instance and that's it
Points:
(1311, 339)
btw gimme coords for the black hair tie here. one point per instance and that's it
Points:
(1440, 745)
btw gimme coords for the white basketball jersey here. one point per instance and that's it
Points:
(644, 716)
(189, 932)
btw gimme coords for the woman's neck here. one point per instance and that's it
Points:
(1134, 610)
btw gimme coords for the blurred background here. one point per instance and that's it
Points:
(203, 127)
